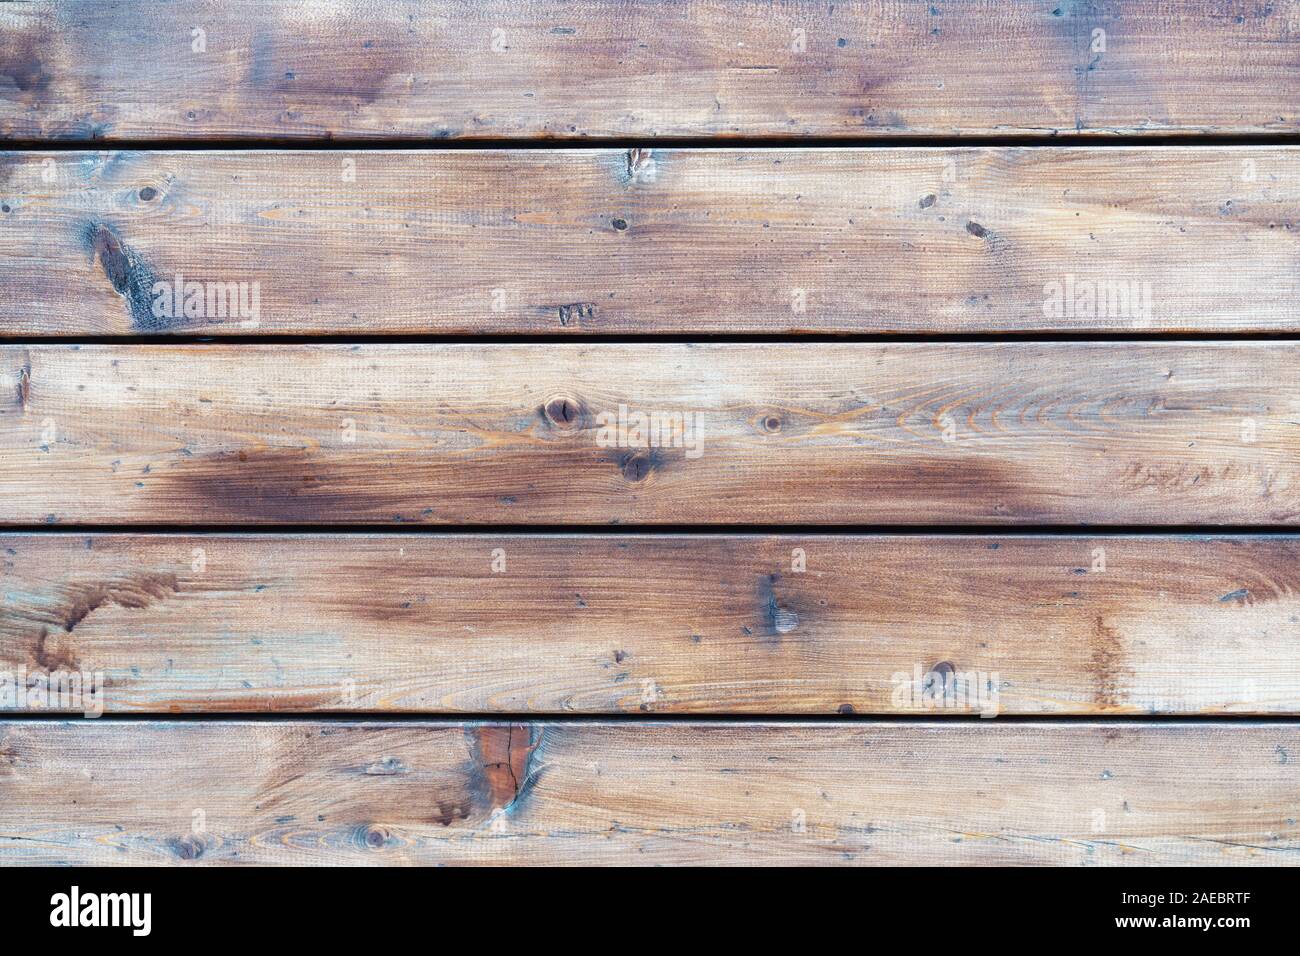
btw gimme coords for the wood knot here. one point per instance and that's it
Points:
(188, 847)
(505, 754)
(639, 160)
(387, 767)
(374, 837)
(938, 679)
(637, 465)
(564, 412)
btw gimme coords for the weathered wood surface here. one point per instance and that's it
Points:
(498, 68)
(999, 433)
(653, 240)
(658, 623)
(644, 793)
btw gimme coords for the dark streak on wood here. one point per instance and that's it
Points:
(56, 658)
(75, 601)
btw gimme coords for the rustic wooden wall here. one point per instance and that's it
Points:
(992, 416)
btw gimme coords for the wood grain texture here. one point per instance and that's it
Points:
(497, 68)
(1009, 433)
(666, 623)
(578, 242)
(648, 793)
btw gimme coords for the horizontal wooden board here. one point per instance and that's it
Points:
(656, 623)
(645, 793)
(575, 242)
(403, 69)
(999, 433)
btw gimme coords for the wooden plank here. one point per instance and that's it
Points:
(998, 433)
(402, 69)
(646, 793)
(659, 623)
(652, 240)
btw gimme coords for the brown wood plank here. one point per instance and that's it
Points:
(643, 793)
(1001, 433)
(498, 68)
(651, 240)
(661, 623)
